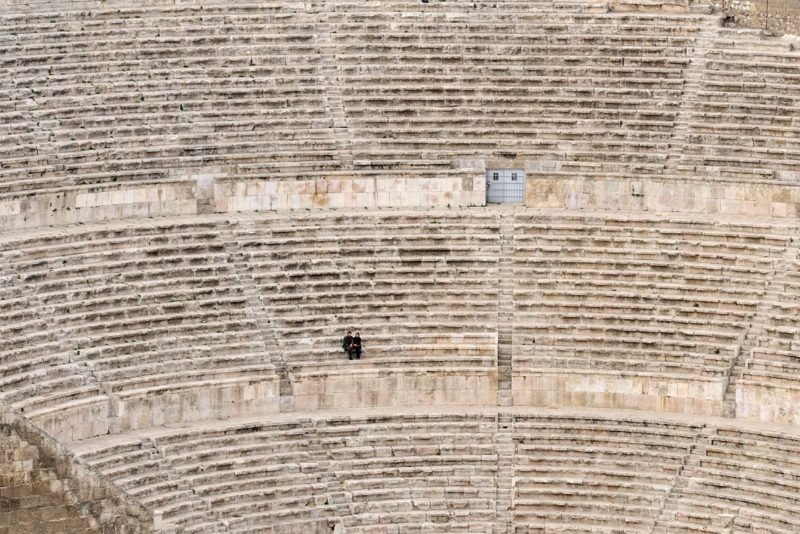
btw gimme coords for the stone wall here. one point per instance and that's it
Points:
(46, 488)
(217, 193)
(369, 389)
(660, 393)
(778, 16)
(350, 192)
(709, 196)
(98, 203)
(665, 195)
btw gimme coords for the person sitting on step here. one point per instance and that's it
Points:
(355, 346)
(346, 342)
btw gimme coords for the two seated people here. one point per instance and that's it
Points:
(352, 345)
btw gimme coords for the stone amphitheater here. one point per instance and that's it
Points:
(198, 198)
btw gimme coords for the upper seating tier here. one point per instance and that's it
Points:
(163, 109)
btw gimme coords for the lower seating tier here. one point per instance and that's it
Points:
(469, 469)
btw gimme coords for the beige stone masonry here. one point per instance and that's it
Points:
(46, 488)
(663, 195)
(348, 192)
(96, 204)
(586, 468)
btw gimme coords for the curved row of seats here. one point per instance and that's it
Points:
(131, 94)
(421, 287)
(381, 472)
(147, 95)
(96, 315)
(628, 297)
(768, 387)
(134, 325)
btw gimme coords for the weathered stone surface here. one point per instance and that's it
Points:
(45, 488)
(646, 92)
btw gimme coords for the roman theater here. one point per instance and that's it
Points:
(567, 230)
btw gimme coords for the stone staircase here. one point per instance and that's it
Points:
(256, 310)
(774, 286)
(339, 502)
(505, 309)
(333, 100)
(692, 85)
(504, 439)
(671, 509)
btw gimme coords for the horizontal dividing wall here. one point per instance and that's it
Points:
(454, 189)
(212, 192)
(664, 195)
(99, 203)
(230, 195)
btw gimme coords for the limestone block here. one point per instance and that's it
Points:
(383, 199)
(48, 489)
(603, 390)
(366, 199)
(780, 209)
(195, 402)
(385, 185)
(476, 198)
(336, 200)
(349, 200)
(321, 200)
(768, 403)
(364, 185)
(472, 164)
(75, 423)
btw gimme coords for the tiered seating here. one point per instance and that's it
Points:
(421, 287)
(415, 472)
(146, 311)
(605, 300)
(377, 472)
(250, 477)
(768, 388)
(585, 474)
(101, 97)
(744, 481)
(743, 123)
(162, 95)
(511, 79)
(39, 374)
(136, 466)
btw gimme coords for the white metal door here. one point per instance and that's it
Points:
(505, 185)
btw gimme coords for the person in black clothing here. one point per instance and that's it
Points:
(355, 346)
(346, 342)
